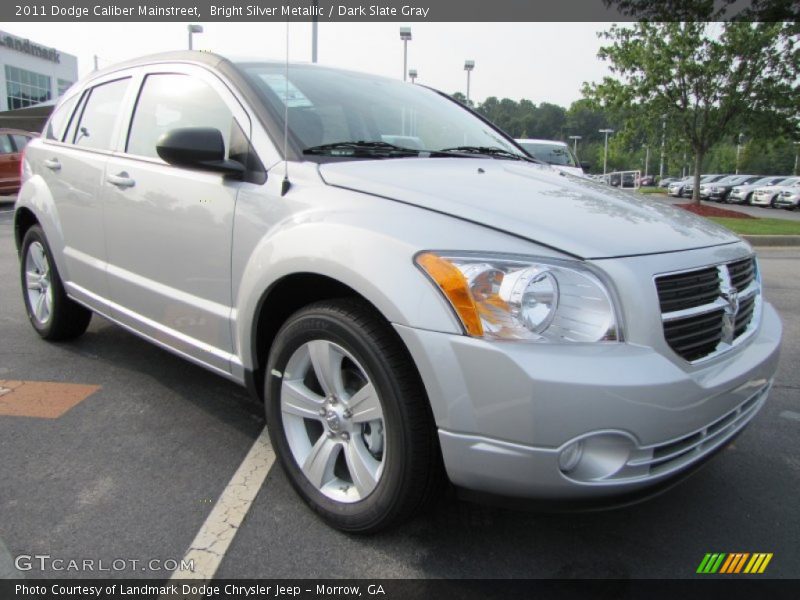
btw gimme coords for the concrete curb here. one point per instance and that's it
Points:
(772, 240)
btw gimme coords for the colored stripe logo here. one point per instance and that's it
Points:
(734, 562)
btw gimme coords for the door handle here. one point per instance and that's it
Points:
(121, 180)
(52, 164)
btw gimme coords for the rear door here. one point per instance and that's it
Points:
(72, 161)
(168, 228)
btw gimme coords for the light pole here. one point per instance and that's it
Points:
(469, 65)
(646, 158)
(314, 26)
(605, 150)
(738, 150)
(193, 29)
(575, 139)
(413, 74)
(405, 35)
(663, 145)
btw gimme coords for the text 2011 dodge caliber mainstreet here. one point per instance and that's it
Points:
(411, 295)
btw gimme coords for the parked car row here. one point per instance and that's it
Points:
(777, 191)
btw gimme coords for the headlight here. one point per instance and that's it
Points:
(520, 299)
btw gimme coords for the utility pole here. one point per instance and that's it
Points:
(663, 145)
(605, 150)
(738, 151)
(314, 32)
(95, 63)
(646, 158)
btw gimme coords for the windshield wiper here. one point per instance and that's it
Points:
(361, 148)
(490, 151)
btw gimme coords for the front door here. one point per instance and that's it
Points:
(169, 229)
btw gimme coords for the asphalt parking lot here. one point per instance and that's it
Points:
(131, 470)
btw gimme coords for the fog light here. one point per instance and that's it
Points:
(595, 457)
(570, 456)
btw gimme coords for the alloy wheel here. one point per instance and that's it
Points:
(38, 283)
(333, 421)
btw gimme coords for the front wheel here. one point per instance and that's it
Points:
(349, 418)
(53, 315)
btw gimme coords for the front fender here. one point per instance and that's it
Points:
(377, 266)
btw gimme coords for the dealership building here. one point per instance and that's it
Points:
(32, 73)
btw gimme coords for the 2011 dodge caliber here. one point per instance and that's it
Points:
(412, 296)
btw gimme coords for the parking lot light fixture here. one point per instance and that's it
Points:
(575, 139)
(469, 65)
(413, 74)
(192, 30)
(605, 148)
(405, 35)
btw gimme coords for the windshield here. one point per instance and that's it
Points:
(555, 154)
(328, 107)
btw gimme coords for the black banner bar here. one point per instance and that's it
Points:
(401, 11)
(735, 587)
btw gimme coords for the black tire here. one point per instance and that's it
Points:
(412, 474)
(749, 199)
(67, 319)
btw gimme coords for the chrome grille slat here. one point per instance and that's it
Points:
(708, 310)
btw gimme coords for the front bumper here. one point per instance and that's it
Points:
(781, 202)
(761, 200)
(505, 411)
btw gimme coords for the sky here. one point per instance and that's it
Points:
(543, 62)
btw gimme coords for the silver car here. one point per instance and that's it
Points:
(768, 195)
(743, 194)
(413, 298)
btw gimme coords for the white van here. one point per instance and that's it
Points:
(553, 152)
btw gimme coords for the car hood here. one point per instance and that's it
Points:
(572, 214)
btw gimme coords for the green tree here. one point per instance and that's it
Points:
(706, 79)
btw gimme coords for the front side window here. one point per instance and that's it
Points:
(328, 106)
(95, 127)
(171, 101)
(26, 88)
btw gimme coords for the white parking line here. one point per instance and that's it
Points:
(791, 415)
(215, 536)
(8, 569)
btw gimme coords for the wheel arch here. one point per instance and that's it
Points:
(280, 301)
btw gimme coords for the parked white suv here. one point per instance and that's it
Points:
(407, 292)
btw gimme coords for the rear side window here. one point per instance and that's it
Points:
(20, 141)
(58, 122)
(171, 101)
(96, 123)
(5, 145)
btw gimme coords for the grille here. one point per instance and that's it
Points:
(707, 310)
(687, 290)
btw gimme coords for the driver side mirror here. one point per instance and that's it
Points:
(197, 148)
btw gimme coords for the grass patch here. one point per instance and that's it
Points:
(760, 226)
(652, 190)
